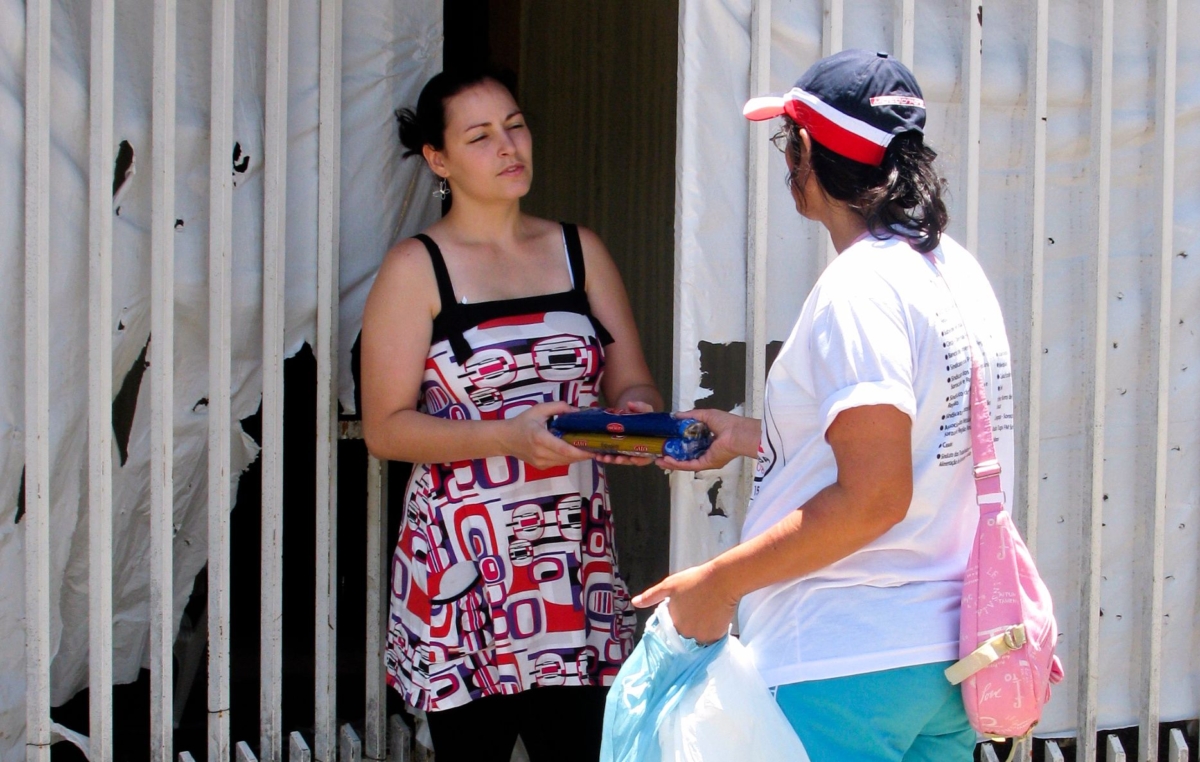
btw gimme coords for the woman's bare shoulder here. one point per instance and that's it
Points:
(407, 257)
(540, 229)
(592, 243)
(407, 271)
(595, 254)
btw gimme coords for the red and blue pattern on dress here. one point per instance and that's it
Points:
(504, 577)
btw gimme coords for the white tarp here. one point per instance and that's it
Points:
(711, 231)
(390, 49)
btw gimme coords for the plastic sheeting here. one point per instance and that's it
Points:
(390, 49)
(711, 209)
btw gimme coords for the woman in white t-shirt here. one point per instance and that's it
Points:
(848, 579)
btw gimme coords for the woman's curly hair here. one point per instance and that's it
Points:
(901, 197)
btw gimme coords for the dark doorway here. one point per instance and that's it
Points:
(597, 82)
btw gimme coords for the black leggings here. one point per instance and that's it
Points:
(560, 724)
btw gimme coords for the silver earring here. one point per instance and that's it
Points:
(443, 190)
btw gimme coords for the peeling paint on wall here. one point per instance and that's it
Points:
(20, 499)
(125, 404)
(723, 373)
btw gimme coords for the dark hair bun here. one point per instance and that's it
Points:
(426, 124)
(410, 131)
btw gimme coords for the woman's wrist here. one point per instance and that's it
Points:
(749, 432)
(501, 436)
(722, 576)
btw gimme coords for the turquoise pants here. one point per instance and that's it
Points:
(911, 714)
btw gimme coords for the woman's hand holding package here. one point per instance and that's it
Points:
(734, 436)
(632, 406)
(701, 605)
(528, 439)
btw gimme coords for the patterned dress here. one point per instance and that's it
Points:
(504, 576)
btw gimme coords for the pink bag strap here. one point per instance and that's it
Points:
(988, 492)
(983, 445)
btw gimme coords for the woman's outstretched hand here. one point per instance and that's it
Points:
(700, 606)
(633, 406)
(734, 436)
(527, 438)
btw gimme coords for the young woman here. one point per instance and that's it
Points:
(508, 615)
(849, 575)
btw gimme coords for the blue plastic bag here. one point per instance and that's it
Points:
(677, 701)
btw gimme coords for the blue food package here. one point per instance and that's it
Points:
(634, 434)
(685, 449)
(601, 421)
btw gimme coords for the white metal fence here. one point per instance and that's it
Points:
(329, 741)
(946, 41)
(693, 533)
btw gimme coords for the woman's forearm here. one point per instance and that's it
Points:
(829, 527)
(416, 437)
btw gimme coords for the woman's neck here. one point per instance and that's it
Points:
(845, 226)
(478, 222)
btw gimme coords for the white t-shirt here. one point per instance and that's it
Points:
(880, 327)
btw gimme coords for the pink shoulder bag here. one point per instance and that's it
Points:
(1007, 631)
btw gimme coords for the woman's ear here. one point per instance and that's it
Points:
(436, 161)
(807, 143)
(805, 140)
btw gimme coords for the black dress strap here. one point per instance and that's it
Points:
(575, 256)
(579, 278)
(449, 318)
(445, 287)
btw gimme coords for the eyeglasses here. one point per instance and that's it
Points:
(780, 140)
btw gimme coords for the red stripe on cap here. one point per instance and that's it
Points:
(834, 136)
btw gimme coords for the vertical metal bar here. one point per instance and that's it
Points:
(832, 37)
(833, 27)
(400, 740)
(1053, 753)
(1031, 376)
(1114, 751)
(298, 750)
(100, 169)
(162, 382)
(905, 26)
(349, 745)
(1177, 748)
(1151, 672)
(756, 220)
(1089, 609)
(37, 380)
(219, 348)
(681, 334)
(243, 753)
(987, 753)
(1022, 750)
(186, 756)
(274, 256)
(328, 188)
(973, 88)
(375, 742)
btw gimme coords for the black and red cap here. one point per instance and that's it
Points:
(853, 103)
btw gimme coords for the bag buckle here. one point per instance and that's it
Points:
(1014, 637)
(988, 653)
(987, 468)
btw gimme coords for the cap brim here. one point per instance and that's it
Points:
(763, 107)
